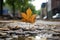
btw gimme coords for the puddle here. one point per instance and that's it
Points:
(30, 38)
(21, 37)
(41, 36)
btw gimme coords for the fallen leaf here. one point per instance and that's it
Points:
(28, 16)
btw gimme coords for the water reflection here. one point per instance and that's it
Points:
(30, 38)
(37, 37)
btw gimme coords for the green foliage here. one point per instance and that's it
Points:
(10, 2)
(18, 3)
(28, 6)
(38, 12)
(21, 5)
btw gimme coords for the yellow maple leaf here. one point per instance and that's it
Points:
(32, 18)
(29, 13)
(24, 16)
(28, 16)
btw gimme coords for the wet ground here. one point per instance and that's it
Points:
(27, 31)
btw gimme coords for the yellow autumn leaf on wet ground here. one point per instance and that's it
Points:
(28, 16)
(32, 18)
(24, 16)
(29, 13)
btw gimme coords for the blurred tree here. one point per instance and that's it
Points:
(38, 12)
(11, 4)
(28, 6)
(20, 5)
(17, 4)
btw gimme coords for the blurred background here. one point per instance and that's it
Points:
(45, 9)
(12, 8)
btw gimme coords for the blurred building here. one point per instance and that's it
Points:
(51, 8)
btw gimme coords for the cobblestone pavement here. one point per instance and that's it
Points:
(37, 21)
(24, 24)
(37, 26)
(48, 22)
